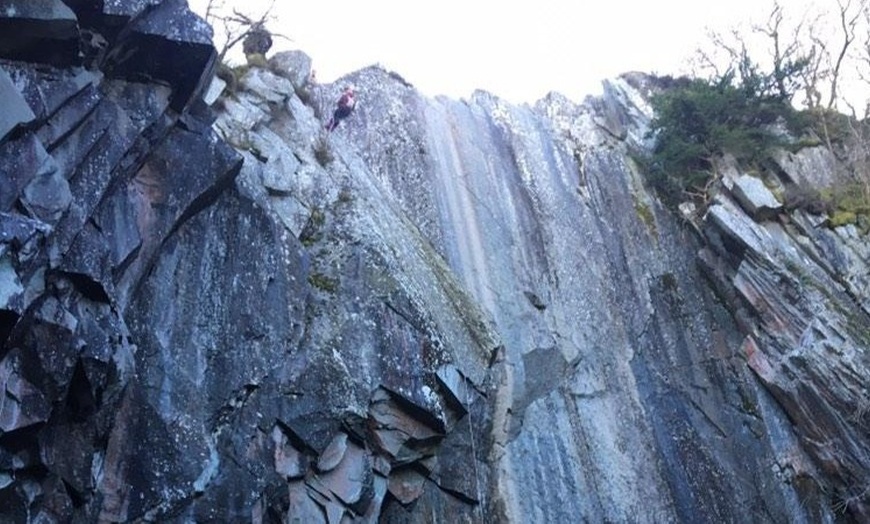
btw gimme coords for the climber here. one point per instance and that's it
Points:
(345, 107)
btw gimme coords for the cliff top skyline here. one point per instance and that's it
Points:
(517, 51)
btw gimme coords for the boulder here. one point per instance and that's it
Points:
(293, 65)
(758, 201)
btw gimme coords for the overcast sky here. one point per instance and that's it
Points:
(519, 50)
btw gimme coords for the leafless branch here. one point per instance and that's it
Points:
(848, 23)
(238, 25)
(818, 65)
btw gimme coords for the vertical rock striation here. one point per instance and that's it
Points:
(624, 389)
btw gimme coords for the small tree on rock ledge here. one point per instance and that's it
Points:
(237, 27)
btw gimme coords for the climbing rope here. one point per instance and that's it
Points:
(480, 496)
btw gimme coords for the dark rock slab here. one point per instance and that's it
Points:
(13, 506)
(111, 144)
(50, 346)
(61, 124)
(57, 504)
(289, 462)
(331, 397)
(314, 429)
(406, 484)
(212, 359)
(103, 351)
(103, 21)
(21, 160)
(87, 267)
(43, 31)
(333, 454)
(67, 451)
(149, 464)
(15, 112)
(10, 294)
(17, 231)
(167, 43)
(47, 89)
(403, 354)
(115, 219)
(179, 180)
(461, 465)
(21, 404)
(47, 196)
(302, 507)
(71, 151)
(434, 505)
(458, 389)
(351, 480)
(127, 8)
(219, 493)
(398, 432)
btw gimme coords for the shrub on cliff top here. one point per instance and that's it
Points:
(698, 120)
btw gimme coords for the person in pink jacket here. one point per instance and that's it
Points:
(345, 107)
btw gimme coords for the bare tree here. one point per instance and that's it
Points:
(709, 62)
(787, 56)
(237, 26)
(818, 65)
(863, 56)
(848, 19)
(819, 54)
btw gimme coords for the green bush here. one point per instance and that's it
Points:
(697, 120)
(848, 203)
(322, 151)
(807, 198)
(841, 218)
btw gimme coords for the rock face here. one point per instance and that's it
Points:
(187, 337)
(444, 311)
(643, 375)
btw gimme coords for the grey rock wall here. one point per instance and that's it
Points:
(191, 333)
(625, 393)
(392, 363)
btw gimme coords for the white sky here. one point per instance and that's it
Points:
(517, 49)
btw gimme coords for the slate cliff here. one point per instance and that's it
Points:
(445, 311)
